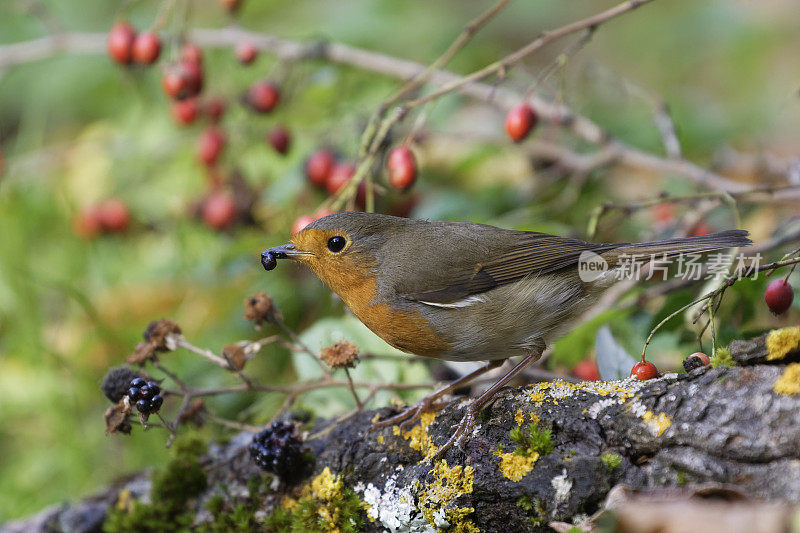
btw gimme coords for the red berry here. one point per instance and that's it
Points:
(193, 72)
(644, 370)
(120, 42)
(519, 122)
(219, 210)
(113, 215)
(263, 96)
(210, 145)
(185, 111)
(779, 296)
(192, 53)
(701, 228)
(402, 168)
(174, 83)
(586, 370)
(703, 357)
(339, 176)
(319, 166)
(301, 222)
(215, 108)
(279, 139)
(86, 223)
(246, 52)
(230, 5)
(182, 80)
(146, 48)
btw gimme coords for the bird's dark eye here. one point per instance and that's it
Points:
(335, 244)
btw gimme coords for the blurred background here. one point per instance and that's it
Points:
(77, 129)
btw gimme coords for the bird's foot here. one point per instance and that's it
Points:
(409, 416)
(461, 434)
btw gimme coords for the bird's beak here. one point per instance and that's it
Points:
(269, 258)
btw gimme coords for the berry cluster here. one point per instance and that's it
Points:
(107, 217)
(279, 450)
(146, 396)
(125, 46)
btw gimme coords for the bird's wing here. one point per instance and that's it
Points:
(526, 254)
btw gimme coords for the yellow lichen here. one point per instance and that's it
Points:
(537, 397)
(380, 439)
(559, 389)
(516, 466)
(789, 382)
(459, 523)
(519, 417)
(658, 424)
(125, 501)
(289, 503)
(782, 341)
(418, 437)
(376, 418)
(326, 486)
(448, 484)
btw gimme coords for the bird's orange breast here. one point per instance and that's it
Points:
(355, 283)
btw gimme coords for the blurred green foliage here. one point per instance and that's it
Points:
(75, 129)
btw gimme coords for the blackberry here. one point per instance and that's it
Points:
(279, 450)
(146, 395)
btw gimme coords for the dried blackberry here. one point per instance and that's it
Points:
(279, 450)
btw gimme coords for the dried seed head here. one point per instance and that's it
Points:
(259, 309)
(162, 334)
(235, 355)
(340, 355)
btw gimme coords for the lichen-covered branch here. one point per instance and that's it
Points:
(541, 455)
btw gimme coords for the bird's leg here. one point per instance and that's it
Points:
(413, 413)
(480, 402)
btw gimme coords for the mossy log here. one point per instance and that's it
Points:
(541, 456)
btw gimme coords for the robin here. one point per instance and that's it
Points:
(466, 292)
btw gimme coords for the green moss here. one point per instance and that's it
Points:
(311, 515)
(611, 460)
(531, 439)
(722, 357)
(528, 505)
(181, 480)
(681, 478)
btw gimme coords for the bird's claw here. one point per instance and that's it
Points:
(459, 437)
(409, 416)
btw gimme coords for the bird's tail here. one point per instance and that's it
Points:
(685, 245)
